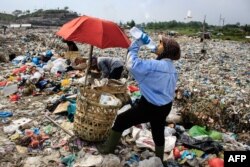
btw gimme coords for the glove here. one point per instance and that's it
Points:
(145, 38)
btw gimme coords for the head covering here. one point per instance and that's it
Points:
(171, 49)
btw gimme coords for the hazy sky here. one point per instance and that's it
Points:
(144, 10)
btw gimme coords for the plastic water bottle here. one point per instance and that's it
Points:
(137, 33)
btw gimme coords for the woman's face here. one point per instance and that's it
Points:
(160, 48)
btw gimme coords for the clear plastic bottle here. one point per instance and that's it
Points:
(137, 33)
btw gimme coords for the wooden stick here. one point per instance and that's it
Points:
(65, 130)
(89, 66)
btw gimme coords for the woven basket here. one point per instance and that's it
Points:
(113, 87)
(116, 88)
(92, 120)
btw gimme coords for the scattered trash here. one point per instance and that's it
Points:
(39, 105)
(152, 161)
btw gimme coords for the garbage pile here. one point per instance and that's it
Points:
(38, 103)
(214, 88)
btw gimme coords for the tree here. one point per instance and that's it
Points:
(131, 23)
(246, 28)
(17, 13)
(120, 24)
(66, 8)
(39, 11)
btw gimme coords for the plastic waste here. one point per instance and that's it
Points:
(208, 145)
(36, 60)
(152, 161)
(197, 131)
(179, 128)
(5, 114)
(71, 111)
(171, 163)
(106, 99)
(215, 135)
(42, 84)
(18, 60)
(123, 109)
(68, 160)
(169, 131)
(177, 153)
(36, 77)
(27, 58)
(48, 53)
(137, 34)
(47, 129)
(3, 83)
(216, 162)
(133, 88)
(65, 83)
(200, 131)
(133, 160)
(10, 89)
(20, 70)
(187, 154)
(110, 160)
(58, 67)
(14, 97)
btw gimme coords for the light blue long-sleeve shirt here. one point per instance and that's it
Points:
(156, 78)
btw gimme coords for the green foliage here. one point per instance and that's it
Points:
(174, 24)
(194, 28)
(131, 23)
(6, 17)
(17, 13)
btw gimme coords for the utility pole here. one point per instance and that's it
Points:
(219, 20)
(203, 29)
(223, 21)
(203, 50)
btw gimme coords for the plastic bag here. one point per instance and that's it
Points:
(197, 131)
(201, 131)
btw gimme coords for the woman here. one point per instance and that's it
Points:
(157, 81)
(110, 67)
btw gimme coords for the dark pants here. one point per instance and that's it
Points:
(116, 73)
(144, 112)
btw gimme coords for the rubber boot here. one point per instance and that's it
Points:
(111, 143)
(159, 152)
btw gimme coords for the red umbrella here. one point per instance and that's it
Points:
(94, 31)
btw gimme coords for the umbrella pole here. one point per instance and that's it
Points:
(89, 65)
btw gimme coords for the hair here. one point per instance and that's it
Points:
(171, 49)
(71, 45)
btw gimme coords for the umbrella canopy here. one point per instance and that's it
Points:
(94, 31)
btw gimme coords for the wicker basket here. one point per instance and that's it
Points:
(113, 87)
(92, 120)
(117, 88)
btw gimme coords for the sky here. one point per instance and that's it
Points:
(233, 11)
